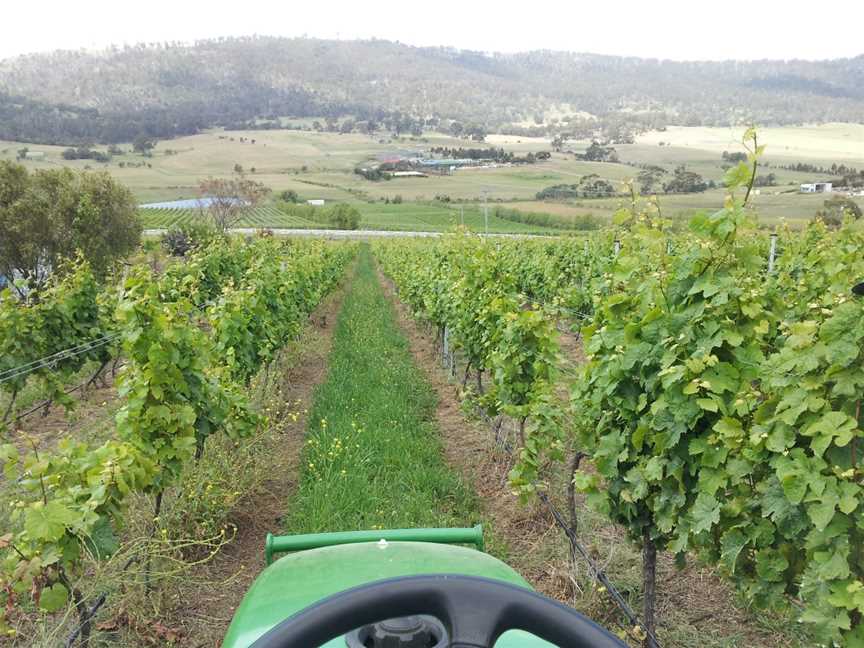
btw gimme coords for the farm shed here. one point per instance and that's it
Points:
(817, 187)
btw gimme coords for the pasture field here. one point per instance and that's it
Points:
(321, 165)
(771, 206)
(505, 183)
(817, 144)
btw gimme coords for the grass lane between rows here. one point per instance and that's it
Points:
(373, 457)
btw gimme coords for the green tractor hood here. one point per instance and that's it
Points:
(329, 563)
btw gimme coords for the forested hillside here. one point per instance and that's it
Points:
(162, 90)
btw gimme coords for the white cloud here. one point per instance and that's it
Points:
(678, 29)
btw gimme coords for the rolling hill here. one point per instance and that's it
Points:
(167, 89)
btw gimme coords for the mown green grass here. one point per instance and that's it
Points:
(373, 458)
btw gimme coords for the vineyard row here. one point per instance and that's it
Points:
(191, 340)
(720, 399)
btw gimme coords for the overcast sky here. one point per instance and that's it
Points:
(676, 29)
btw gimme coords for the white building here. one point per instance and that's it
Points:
(817, 187)
(315, 201)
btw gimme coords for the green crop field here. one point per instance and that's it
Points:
(433, 218)
(407, 217)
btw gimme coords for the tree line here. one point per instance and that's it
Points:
(491, 153)
(50, 216)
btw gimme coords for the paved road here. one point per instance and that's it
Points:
(339, 234)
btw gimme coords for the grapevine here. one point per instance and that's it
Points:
(182, 383)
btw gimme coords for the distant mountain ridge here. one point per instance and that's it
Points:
(167, 89)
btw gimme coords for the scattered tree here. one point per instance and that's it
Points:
(734, 158)
(478, 134)
(558, 192)
(599, 153)
(372, 173)
(559, 141)
(144, 145)
(344, 216)
(769, 180)
(589, 186)
(85, 153)
(649, 178)
(593, 186)
(230, 199)
(685, 181)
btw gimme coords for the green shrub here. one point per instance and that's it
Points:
(340, 216)
(559, 192)
(836, 209)
(179, 240)
(344, 216)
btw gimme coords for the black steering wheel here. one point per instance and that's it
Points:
(475, 612)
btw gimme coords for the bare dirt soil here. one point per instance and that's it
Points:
(89, 418)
